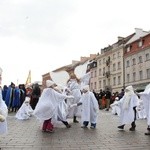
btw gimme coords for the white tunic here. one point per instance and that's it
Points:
(89, 107)
(4, 112)
(24, 112)
(47, 105)
(145, 96)
(127, 115)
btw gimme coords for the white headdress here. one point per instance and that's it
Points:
(49, 83)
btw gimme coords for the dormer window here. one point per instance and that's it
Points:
(140, 43)
(129, 48)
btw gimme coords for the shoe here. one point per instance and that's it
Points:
(132, 129)
(147, 133)
(107, 109)
(68, 126)
(50, 131)
(76, 121)
(83, 126)
(92, 127)
(121, 127)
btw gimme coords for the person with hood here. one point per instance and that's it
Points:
(3, 112)
(128, 104)
(89, 108)
(145, 96)
(46, 108)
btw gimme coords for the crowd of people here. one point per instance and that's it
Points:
(57, 103)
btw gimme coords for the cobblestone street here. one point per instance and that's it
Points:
(26, 135)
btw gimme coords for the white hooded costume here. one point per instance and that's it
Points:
(145, 96)
(47, 106)
(25, 111)
(127, 103)
(89, 106)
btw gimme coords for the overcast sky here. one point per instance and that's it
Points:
(43, 35)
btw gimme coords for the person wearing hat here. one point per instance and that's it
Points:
(46, 108)
(3, 111)
(90, 108)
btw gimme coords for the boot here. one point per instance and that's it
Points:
(75, 120)
(148, 131)
(132, 126)
(121, 127)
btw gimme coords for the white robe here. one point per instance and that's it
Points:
(47, 106)
(145, 96)
(115, 108)
(141, 110)
(76, 93)
(4, 112)
(127, 115)
(24, 112)
(89, 108)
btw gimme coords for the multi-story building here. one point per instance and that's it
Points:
(110, 66)
(137, 61)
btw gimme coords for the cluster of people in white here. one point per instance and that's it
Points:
(74, 100)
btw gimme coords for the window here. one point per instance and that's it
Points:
(99, 62)
(128, 78)
(147, 57)
(114, 56)
(141, 75)
(134, 61)
(119, 55)
(127, 63)
(94, 85)
(104, 83)
(114, 67)
(108, 81)
(129, 48)
(103, 71)
(114, 80)
(103, 60)
(134, 76)
(95, 73)
(140, 43)
(100, 72)
(119, 80)
(140, 59)
(119, 65)
(100, 84)
(148, 73)
(91, 74)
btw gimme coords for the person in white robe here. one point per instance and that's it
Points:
(115, 107)
(25, 111)
(3, 112)
(141, 114)
(74, 87)
(128, 104)
(89, 108)
(145, 96)
(47, 106)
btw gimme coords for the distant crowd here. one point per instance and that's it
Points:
(14, 96)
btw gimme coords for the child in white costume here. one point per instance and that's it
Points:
(89, 108)
(115, 107)
(3, 112)
(25, 111)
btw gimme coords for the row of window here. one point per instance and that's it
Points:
(139, 77)
(140, 60)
